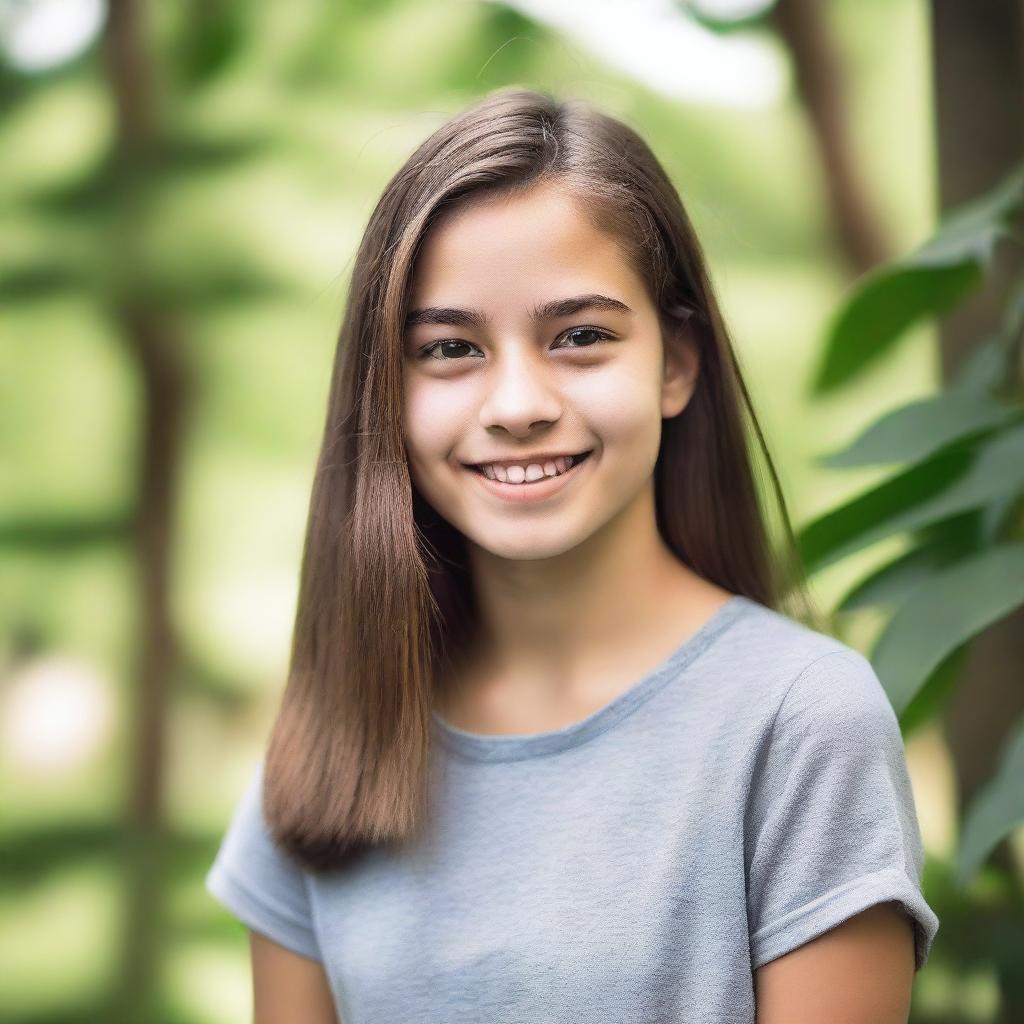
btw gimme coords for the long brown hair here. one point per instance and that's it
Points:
(385, 599)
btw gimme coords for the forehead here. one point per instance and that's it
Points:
(516, 251)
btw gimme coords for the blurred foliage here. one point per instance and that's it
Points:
(273, 129)
(959, 490)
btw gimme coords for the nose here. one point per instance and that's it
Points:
(519, 392)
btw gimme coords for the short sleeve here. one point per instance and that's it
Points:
(831, 825)
(259, 883)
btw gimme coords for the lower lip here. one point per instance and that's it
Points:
(539, 490)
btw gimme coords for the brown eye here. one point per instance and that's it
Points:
(446, 354)
(599, 335)
(428, 351)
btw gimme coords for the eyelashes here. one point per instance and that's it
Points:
(427, 351)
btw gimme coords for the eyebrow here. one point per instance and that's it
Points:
(553, 309)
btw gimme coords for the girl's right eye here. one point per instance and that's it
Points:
(427, 351)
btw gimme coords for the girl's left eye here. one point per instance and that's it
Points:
(428, 351)
(602, 336)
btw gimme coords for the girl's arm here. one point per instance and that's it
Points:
(288, 988)
(860, 972)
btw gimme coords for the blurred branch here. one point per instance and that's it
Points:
(49, 535)
(803, 27)
(152, 340)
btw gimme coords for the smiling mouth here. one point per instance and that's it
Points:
(576, 460)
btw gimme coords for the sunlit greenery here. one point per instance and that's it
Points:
(277, 125)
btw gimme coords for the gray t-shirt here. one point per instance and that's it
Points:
(747, 795)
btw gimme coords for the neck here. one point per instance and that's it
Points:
(548, 625)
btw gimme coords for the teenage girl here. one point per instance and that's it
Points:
(550, 750)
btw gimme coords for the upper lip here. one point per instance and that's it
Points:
(540, 458)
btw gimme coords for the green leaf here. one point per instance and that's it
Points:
(922, 428)
(709, 16)
(989, 366)
(972, 229)
(213, 37)
(999, 518)
(933, 695)
(956, 479)
(893, 582)
(926, 283)
(997, 809)
(42, 281)
(944, 612)
(57, 534)
(889, 301)
(985, 367)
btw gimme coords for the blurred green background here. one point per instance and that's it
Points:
(182, 188)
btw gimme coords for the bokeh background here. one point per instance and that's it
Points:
(182, 190)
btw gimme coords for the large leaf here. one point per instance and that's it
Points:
(926, 283)
(931, 698)
(889, 301)
(917, 430)
(936, 547)
(944, 612)
(996, 810)
(954, 480)
(999, 518)
(991, 364)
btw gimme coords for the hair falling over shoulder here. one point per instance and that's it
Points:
(384, 598)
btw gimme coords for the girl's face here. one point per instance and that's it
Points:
(528, 337)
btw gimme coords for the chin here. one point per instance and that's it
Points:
(523, 549)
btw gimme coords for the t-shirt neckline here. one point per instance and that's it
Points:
(497, 747)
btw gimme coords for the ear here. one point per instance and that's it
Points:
(681, 364)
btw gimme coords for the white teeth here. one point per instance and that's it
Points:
(528, 474)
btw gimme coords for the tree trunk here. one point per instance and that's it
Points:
(803, 27)
(978, 72)
(149, 336)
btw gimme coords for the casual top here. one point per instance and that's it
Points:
(745, 796)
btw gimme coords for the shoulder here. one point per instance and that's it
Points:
(825, 722)
(836, 716)
(830, 823)
(768, 682)
(257, 881)
(828, 686)
(249, 850)
(782, 670)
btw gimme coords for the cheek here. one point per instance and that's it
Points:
(433, 419)
(622, 404)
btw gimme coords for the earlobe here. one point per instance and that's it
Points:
(680, 367)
